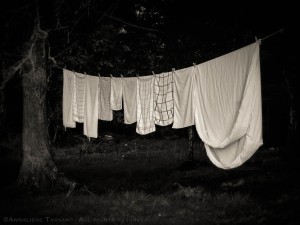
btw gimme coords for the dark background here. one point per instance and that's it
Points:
(85, 36)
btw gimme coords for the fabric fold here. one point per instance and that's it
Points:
(105, 112)
(183, 93)
(68, 95)
(145, 110)
(163, 99)
(91, 107)
(228, 114)
(129, 99)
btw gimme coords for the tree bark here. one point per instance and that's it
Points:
(37, 165)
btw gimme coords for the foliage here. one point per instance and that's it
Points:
(156, 189)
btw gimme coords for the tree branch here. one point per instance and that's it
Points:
(10, 72)
(130, 24)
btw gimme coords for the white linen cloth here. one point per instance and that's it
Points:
(68, 94)
(145, 110)
(228, 115)
(90, 128)
(183, 87)
(129, 99)
(163, 99)
(116, 93)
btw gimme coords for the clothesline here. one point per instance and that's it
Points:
(221, 97)
(276, 32)
(256, 39)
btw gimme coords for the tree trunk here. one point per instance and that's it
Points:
(37, 166)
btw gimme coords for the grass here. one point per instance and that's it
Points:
(180, 207)
(150, 181)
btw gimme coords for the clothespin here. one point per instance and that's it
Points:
(173, 69)
(258, 40)
(65, 67)
(153, 73)
(138, 76)
(194, 64)
(122, 76)
(111, 76)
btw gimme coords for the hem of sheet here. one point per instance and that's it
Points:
(251, 147)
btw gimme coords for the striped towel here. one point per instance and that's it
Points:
(105, 112)
(79, 97)
(163, 99)
(145, 111)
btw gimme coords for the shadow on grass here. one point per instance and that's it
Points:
(151, 181)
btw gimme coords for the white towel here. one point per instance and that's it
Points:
(91, 107)
(129, 99)
(68, 93)
(163, 99)
(183, 92)
(116, 93)
(145, 110)
(105, 112)
(79, 97)
(228, 114)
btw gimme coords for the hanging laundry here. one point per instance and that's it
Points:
(145, 110)
(79, 97)
(116, 93)
(105, 112)
(228, 113)
(183, 89)
(68, 93)
(163, 99)
(129, 99)
(91, 107)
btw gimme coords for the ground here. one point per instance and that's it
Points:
(150, 181)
